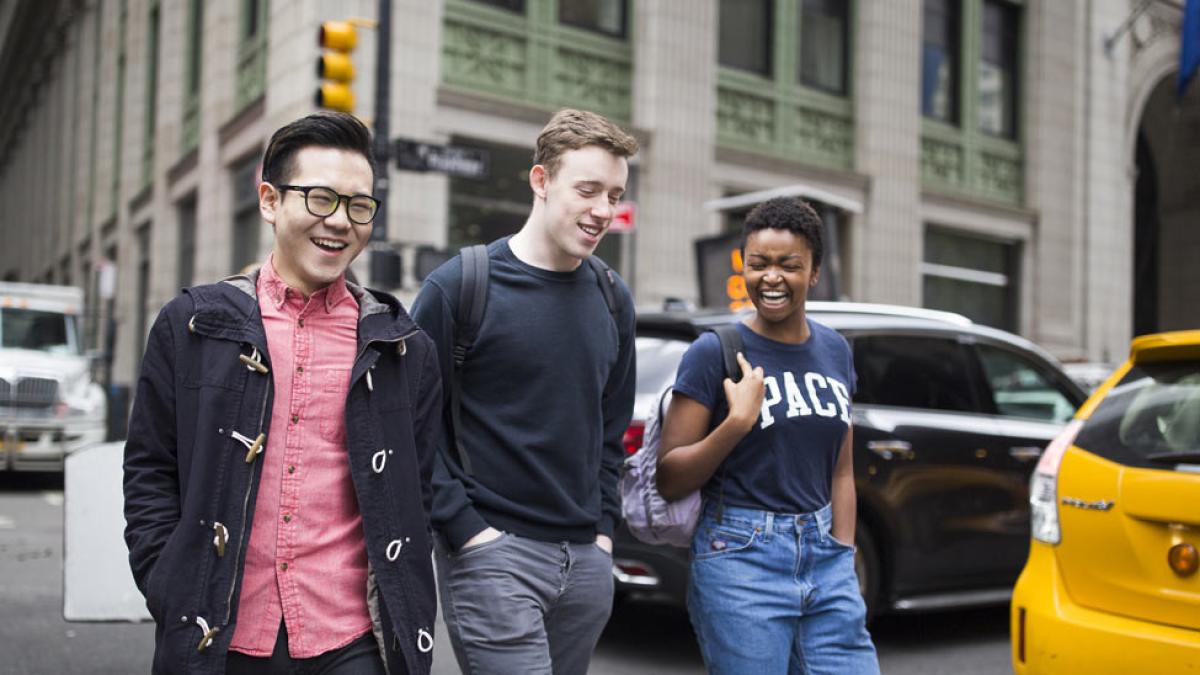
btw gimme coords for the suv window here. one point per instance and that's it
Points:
(913, 372)
(1020, 388)
(1151, 418)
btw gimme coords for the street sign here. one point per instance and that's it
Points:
(453, 160)
(625, 219)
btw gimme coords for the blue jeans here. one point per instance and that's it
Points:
(772, 593)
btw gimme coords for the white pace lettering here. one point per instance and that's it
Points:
(843, 398)
(813, 380)
(769, 400)
(795, 398)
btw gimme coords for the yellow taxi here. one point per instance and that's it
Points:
(1111, 584)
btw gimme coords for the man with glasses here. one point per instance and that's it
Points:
(277, 472)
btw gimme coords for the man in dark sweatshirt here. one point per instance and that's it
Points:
(525, 526)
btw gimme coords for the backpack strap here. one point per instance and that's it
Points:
(472, 300)
(731, 343)
(608, 283)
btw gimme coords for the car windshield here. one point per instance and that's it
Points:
(1151, 418)
(37, 330)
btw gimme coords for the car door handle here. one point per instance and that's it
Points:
(890, 448)
(1025, 453)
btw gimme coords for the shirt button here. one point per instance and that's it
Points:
(283, 566)
(295, 419)
(299, 369)
(302, 323)
(291, 469)
(287, 517)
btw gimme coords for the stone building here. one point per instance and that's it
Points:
(1025, 162)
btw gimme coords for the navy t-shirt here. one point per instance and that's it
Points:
(785, 464)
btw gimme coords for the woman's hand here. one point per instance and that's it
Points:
(746, 396)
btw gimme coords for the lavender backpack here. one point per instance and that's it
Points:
(652, 519)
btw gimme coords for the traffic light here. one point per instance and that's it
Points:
(334, 67)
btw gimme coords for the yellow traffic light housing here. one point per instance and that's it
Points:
(334, 67)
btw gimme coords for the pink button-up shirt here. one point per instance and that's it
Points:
(307, 559)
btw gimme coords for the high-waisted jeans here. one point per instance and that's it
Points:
(775, 593)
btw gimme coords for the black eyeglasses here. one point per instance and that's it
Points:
(323, 202)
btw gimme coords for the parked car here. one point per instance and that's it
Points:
(49, 405)
(949, 420)
(1111, 584)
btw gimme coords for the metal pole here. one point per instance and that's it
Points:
(383, 94)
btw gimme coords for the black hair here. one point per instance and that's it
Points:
(324, 129)
(791, 214)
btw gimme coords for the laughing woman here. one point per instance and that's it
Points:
(773, 588)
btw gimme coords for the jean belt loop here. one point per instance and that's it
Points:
(769, 525)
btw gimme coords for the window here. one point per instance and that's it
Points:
(745, 35)
(192, 74)
(940, 60)
(1021, 388)
(998, 70)
(913, 372)
(972, 276)
(119, 104)
(602, 16)
(517, 6)
(801, 48)
(141, 310)
(485, 210)
(37, 330)
(252, 52)
(247, 222)
(824, 37)
(151, 94)
(250, 19)
(1150, 419)
(186, 262)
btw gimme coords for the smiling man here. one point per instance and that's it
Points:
(282, 441)
(525, 547)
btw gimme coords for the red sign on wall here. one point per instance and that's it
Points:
(625, 218)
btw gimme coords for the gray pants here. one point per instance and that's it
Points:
(516, 605)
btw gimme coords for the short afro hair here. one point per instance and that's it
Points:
(791, 214)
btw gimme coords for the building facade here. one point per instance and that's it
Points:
(1025, 162)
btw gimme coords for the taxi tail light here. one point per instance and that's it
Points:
(1043, 487)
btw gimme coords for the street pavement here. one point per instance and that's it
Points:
(640, 639)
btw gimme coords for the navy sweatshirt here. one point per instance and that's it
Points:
(547, 392)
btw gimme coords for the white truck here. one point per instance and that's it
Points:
(49, 405)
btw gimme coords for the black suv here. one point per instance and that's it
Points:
(949, 420)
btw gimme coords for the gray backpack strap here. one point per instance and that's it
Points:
(472, 300)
